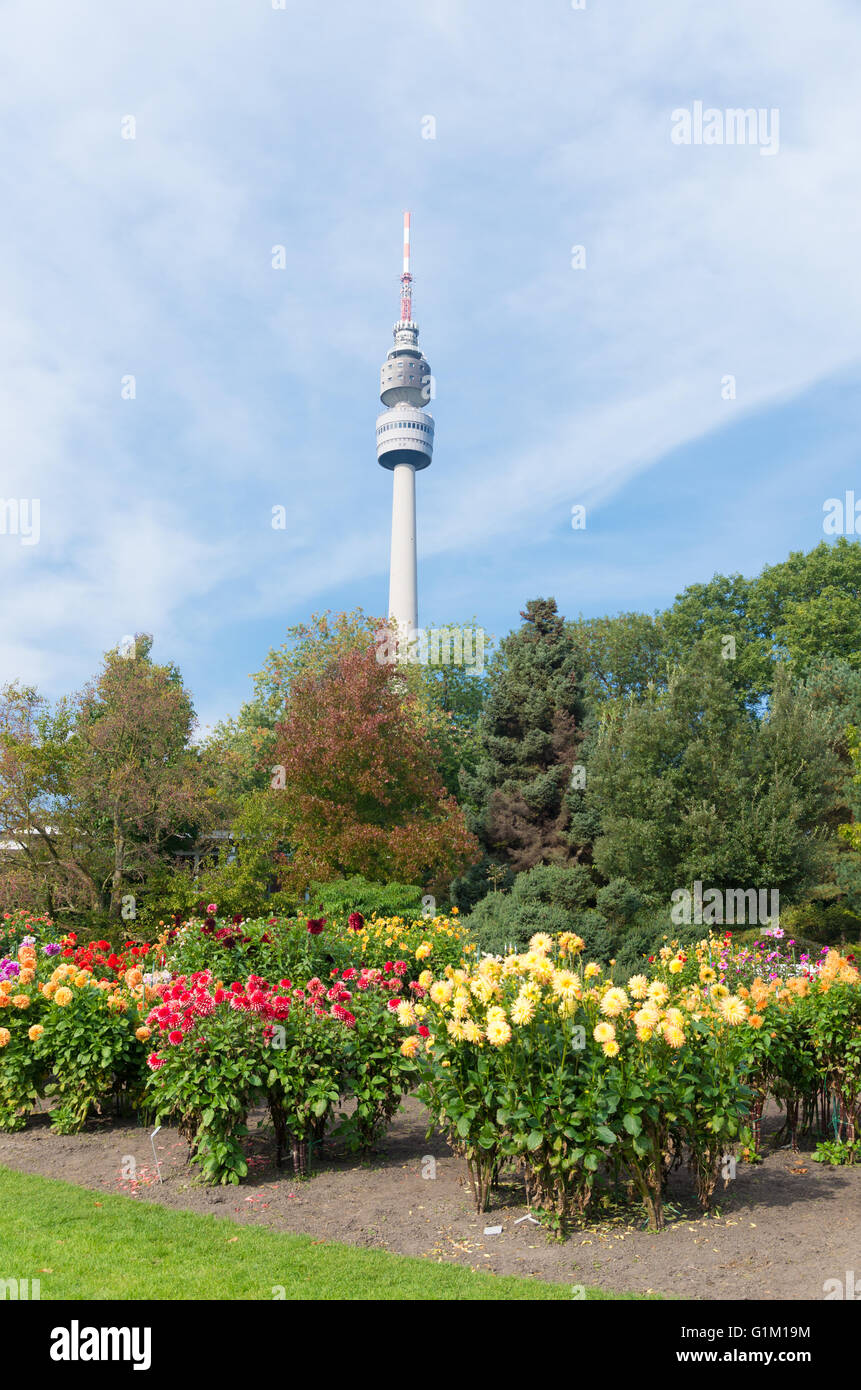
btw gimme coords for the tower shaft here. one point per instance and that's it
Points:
(403, 574)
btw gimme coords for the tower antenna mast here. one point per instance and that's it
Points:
(406, 277)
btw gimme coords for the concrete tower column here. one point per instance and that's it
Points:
(403, 584)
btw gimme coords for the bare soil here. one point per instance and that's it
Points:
(783, 1228)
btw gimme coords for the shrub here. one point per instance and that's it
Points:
(378, 1069)
(545, 1061)
(549, 898)
(204, 1071)
(342, 896)
(22, 1068)
(90, 1046)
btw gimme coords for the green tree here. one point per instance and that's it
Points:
(43, 862)
(689, 784)
(620, 656)
(135, 781)
(529, 732)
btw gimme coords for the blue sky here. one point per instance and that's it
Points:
(303, 127)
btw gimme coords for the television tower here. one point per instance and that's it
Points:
(404, 444)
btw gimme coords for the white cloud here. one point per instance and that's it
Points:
(255, 387)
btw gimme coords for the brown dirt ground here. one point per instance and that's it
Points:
(783, 1228)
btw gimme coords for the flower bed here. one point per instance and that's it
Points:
(204, 1043)
(541, 1059)
(68, 1032)
(536, 1058)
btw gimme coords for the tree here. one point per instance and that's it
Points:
(361, 791)
(446, 700)
(620, 656)
(134, 779)
(43, 863)
(529, 731)
(812, 604)
(803, 610)
(689, 784)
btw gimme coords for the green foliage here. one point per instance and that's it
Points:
(376, 1074)
(341, 896)
(95, 1059)
(688, 784)
(529, 733)
(836, 1152)
(549, 898)
(620, 657)
(23, 1069)
(207, 1084)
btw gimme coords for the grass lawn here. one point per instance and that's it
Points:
(91, 1245)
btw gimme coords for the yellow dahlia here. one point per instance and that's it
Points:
(707, 974)
(611, 1049)
(566, 984)
(733, 1009)
(592, 969)
(644, 1032)
(461, 1002)
(638, 986)
(541, 942)
(5, 1036)
(676, 966)
(35, 1033)
(603, 1032)
(673, 1035)
(614, 1002)
(570, 944)
(658, 992)
(426, 979)
(410, 1046)
(522, 1010)
(441, 991)
(498, 1033)
(484, 990)
(406, 1013)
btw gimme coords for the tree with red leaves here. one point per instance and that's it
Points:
(359, 783)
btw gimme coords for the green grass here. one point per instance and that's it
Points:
(90, 1245)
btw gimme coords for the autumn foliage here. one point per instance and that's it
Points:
(361, 789)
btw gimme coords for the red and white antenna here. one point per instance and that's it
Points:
(406, 277)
